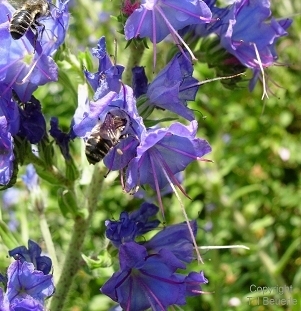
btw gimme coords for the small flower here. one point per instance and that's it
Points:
(31, 179)
(174, 86)
(24, 282)
(32, 255)
(88, 116)
(146, 281)
(176, 239)
(156, 19)
(162, 154)
(108, 76)
(193, 281)
(245, 33)
(62, 139)
(129, 226)
(32, 121)
(139, 81)
(26, 63)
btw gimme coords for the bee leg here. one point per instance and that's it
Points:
(35, 30)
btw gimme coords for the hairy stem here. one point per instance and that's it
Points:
(136, 53)
(73, 255)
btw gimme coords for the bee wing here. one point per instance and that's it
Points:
(17, 4)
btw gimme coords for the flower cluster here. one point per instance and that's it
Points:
(248, 33)
(149, 274)
(146, 156)
(28, 282)
(25, 64)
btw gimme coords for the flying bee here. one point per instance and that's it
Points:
(28, 17)
(106, 135)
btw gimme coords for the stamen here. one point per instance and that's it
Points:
(173, 31)
(186, 219)
(223, 247)
(157, 186)
(262, 72)
(211, 80)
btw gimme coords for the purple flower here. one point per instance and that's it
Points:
(24, 282)
(88, 116)
(174, 86)
(162, 153)
(129, 226)
(32, 121)
(176, 239)
(6, 152)
(10, 110)
(31, 178)
(32, 255)
(245, 33)
(146, 281)
(139, 81)
(108, 76)
(193, 281)
(156, 19)
(62, 139)
(25, 63)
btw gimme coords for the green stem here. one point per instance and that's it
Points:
(136, 53)
(49, 244)
(73, 255)
(52, 170)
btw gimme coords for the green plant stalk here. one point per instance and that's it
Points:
(49, 245)
(73, 255)
(136, 53)
(31, 158)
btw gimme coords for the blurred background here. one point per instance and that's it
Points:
(250, 194)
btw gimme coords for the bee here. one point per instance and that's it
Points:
(27, 17)
(106, 135)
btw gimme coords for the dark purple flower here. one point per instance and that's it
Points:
(177, 239)
(24, 282)
(129, 226)
(32, 121)
(162, 153)
(193, 282)
(246, 33)
(174, 86)
(26, 63)
(62, 139)
(32, 255)
(108, 76)
(139, 81)
(146, 281)
(6, 152)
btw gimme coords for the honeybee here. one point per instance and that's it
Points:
(106, 135)
(28, 17)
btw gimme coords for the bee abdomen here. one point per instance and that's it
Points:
(19, 24)
(97, 149)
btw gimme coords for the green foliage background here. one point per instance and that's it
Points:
(250, 194)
